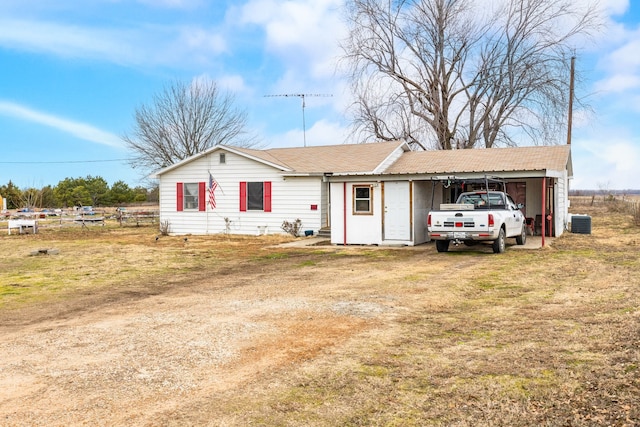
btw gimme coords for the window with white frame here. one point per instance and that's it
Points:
(191, 195)
(362, 200)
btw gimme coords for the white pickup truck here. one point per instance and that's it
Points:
(477, 216)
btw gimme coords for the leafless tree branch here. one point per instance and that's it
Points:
(183, 120)
(459, 73)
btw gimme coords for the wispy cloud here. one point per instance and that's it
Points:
(66, 40)
(173, 4)
(144, 45)
(77, 129)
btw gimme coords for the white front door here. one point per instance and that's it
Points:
(397, 211)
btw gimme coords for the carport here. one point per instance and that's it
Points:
(538, 177)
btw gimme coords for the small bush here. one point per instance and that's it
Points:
(292, 228)
(165, 228)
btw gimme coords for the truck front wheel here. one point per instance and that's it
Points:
(499, 243)
(522, 238)
(442, 245)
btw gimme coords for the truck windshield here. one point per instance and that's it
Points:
(482, 200)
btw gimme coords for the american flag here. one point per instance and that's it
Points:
(212, 191)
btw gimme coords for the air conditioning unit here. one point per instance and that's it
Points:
(581, 224)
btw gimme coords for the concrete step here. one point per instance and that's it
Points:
(324, 232)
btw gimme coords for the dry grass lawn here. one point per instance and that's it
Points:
(121, 329)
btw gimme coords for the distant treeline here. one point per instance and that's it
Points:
(603, 192)
(89, 191)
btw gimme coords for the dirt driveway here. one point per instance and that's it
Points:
(234, 333)
(136, 358)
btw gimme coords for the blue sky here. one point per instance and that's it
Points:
(73, 72)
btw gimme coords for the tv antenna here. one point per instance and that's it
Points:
(303, 96)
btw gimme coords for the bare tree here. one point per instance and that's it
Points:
(183, 120)
(451, 74)
(31, 198)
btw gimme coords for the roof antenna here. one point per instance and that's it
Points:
(303, 95)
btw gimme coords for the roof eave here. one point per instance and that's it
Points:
(156, 175)
(304, 174)
(169, 168)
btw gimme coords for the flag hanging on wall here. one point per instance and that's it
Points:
(212, 191)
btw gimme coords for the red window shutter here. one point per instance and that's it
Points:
(243, 196)
(179, 197)
(202, 195)
(267, 196)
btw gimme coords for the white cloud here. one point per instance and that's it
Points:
(617, 51)
(77, 129)
(173, 4)
(233, 83)
(323, 132)
(607, 161)
(205, 41)
(305, 33)
(626, 57)
(64, 40)
(145, 45)
(614, 7)
(617, 83)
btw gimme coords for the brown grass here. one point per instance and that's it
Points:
(111, 259)
(542, 337)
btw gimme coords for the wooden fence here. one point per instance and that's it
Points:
(73, 218)
(137, 218)
(629, 204)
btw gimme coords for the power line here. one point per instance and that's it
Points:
(63, 162)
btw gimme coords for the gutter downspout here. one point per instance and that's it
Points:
(344, 225)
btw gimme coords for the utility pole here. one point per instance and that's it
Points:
(302, 96)
(570, 119)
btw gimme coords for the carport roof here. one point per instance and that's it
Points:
(494, 160)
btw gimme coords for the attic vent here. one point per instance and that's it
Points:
(223, 158)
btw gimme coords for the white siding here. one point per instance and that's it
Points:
(367, 229)
(291, 198)
(562, 205)
(336, 212)
(360, 229)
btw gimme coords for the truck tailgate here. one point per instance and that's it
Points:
(468, 221)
